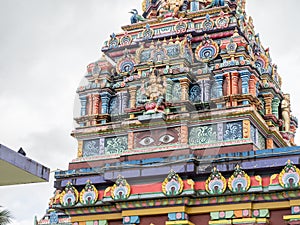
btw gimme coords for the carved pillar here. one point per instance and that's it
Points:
(227, 85)
(207, 92)
(105, 97)
(96, 103)
(184, 84)
(83, 101)
(132, 93)
(245, 76)
(90, 105)
(253, 85)
(275, 106)
(130, 140)
(169, 90)
(268, 98)
(184, 132)
(235, 83)
(219, 82)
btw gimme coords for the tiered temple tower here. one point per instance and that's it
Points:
(182, 121)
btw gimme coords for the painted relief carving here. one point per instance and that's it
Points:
(290, 176)
(89, 194)
(170, 8)
(154, 90)
(285, 112)
(207, 50)
(239, 181)
(116, 145)
(69, 197)
(203, 135)
(216, 183)
(91, 147)
(172, 185)
(233, 131)
(157, 137)
(121, 189)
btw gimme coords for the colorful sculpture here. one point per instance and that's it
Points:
(135, 18)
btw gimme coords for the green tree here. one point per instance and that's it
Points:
(5, 216)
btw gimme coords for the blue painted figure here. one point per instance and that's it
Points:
(216, 3)
(135, 18)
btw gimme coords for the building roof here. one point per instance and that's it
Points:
(18, 169)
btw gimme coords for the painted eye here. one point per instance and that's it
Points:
(146, 141)
(166, 138)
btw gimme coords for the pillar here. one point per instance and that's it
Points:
(96, 103)
(275, 107)
(130, 140)
(253, 85)
(268, 98)
(105, 97)
(80, 149)
(207, 90)
(169, 90)
(219, 82)
(132, 97)
(270, 143)
(90, 105)
(245, 76)
(184, 84)
(83, 102)
(235, 83)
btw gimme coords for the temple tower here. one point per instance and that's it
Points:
(182, 120)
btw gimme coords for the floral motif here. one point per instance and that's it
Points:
(207, 50)
(172, 185)
(116, 145)
(239, 181)
(208, 24)
(203, 135)
(290, 176)
(216, 183)
(89, 194)
(113, 42)
(233, 131)
(91, 147)
(148, 32)
(69, 197)
(121, 189)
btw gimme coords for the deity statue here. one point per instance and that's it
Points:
(285, 112)
(170, 8)
(154, 90)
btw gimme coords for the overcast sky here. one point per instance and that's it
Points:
(45, 46)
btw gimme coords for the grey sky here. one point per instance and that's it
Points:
(45, 46)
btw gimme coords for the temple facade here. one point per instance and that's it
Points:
(182, 121)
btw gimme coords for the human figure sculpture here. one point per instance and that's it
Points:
(154, 92)
(285, 112)
(170, 8)
(216, 3)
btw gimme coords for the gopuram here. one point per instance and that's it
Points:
(182, 121)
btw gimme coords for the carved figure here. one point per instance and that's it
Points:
(170, 8)
(135, 18)
(285, 112)
(154, 91)
(215, 3)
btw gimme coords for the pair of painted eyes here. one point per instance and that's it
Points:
(165, 139)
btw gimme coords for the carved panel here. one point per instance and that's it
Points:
(115, 145)
(157, 137)
(203, 135)
(91, 147)
(195, 93)
(233, 131)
